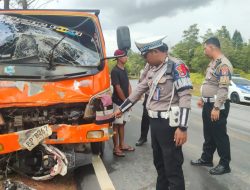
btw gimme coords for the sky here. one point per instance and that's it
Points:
(147, 18)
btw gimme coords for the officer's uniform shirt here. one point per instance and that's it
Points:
(144, 73)
(179, 77)
(217, 80)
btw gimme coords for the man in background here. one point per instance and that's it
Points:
(122, 89)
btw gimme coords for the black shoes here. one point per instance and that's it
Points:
(201, 162)
(219, 170)
(141, 141)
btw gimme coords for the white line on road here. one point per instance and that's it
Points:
(102, 174)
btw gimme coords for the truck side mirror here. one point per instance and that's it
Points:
(123, 43)
(123, 38)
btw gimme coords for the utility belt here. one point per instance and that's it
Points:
(208, 99)
(158, 114)
(173, 115)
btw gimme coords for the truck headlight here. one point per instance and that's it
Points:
(1, 147)
(89, 112)
(95, 134)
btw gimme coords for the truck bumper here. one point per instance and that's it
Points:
(62, 134)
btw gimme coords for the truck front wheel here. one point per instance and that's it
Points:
(97, 148)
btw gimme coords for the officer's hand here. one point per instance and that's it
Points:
(180, 137)
(118, 113)
(200, 103)
(215, 114)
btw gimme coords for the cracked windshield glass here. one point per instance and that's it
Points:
(24, 38)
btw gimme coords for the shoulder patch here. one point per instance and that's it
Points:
(224, 76)
(182, 77)
(224, 70)
(181, 70)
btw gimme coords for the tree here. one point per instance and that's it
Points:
(237, 39)
(134, 64)
(200, 61)
(223, 33)
(241, 59)
(245, 58)
(182, 51)
(191, 35)
(25, 4)
(185, 49)
(207, 35)
(227, 48)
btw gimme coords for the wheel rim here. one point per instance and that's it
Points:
(234, 98)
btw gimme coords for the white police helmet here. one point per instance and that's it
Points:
(144, 45)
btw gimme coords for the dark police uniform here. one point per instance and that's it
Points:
(215, 95)
(145, 117)
(168, 158)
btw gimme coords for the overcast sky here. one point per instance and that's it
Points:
(164, 17)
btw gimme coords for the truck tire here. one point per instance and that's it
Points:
(235, 98)
(97, 148)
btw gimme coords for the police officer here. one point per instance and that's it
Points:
(166, 76)
(145, 117)
(215, 109)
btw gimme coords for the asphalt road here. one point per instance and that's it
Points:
(136, 170)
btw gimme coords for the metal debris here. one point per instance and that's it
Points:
(15, 185)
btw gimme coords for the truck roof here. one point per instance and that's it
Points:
(95, 11)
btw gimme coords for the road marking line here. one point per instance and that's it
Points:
(102, 174)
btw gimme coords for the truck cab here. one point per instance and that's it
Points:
(54, 88)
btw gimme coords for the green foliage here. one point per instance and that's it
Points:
(235, 49)
(199, 62)
(111, 64)
(227, 48)
(246, 75)
(242, 59)
(223, 33)
(134, 64)
(207, 35)
(197, 79)
(190, 50)
(237, 40)
(191, 35)
(242, 73)
(185, 49)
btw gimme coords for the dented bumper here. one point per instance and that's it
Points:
(61, 134)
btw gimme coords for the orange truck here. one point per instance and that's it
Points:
(55, 103)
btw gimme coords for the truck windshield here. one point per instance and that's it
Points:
(24, 37)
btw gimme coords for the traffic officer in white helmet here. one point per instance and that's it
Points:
(168, 106)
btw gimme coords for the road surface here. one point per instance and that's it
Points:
(136, 170)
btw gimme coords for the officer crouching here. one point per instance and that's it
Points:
(168, 106)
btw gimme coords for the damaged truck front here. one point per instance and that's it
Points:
(55, 105)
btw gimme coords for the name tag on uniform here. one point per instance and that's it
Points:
(156, 95)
